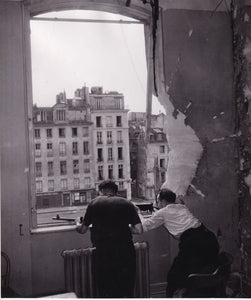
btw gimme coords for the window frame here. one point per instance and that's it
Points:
(34, 9)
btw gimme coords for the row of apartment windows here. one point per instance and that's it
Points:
(61, 132)
(109, 122)
(63, 167)
(109, 137)
(62, 148)
(75, 150)
(75, 165)
(63, 184)
(110, 172)
(110, 154)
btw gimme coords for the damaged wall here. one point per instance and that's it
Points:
(198, 96)
(241, 11)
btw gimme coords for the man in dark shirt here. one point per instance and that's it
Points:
(111, 218)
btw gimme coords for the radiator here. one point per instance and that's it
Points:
(80, 278)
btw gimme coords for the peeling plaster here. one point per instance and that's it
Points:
(248, 181)
(185, 147)
(246, 17)
(197, 191)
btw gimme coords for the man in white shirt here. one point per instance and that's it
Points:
(198, 246)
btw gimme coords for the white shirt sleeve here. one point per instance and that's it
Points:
(154, 221)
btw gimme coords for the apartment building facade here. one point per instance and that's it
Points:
(63, 152)
(149, 155)
(80, 142)
(110, 139)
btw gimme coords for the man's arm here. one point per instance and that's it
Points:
(81, 228)
(137, 228)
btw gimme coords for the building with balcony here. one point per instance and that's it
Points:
(63, 152)
(110, 139)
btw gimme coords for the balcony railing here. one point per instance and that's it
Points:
(119, 141)
(50, 173)
(100, 159)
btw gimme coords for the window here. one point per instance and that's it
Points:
(37, 150)
(162, 163)
(86, 166)
(109, 137)
(160, 137)
(38, 169)
(85, 131)
(98, 122)
(100, 173)
(39, 186)
(83, 197)
(50, 185)
(162, 149)
(110, 158)
(49, 149)
(50, 168)
(76, 197)
(87, 182)
(75, 148)
(99, 137)
(74, 132)
(120, 169)
(119, 137)
(61, 132)
(76, 183)
(119, 121)
(49, 132)
(63, 167)
(120, 153)
(99, 103)
(37, 133)
(86, 148)
(121, 185)
(109, 121)
(63, 184)
(60, 115)
(75, 166)
(110, 171)
(100, 154)
(62, 148)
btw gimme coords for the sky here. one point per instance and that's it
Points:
(68, 55)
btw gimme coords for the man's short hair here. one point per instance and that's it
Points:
(167, 195)
(109, 185)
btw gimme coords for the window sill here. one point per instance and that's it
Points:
(50, 229)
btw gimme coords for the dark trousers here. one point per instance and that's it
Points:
(198, 253)
(115, 269)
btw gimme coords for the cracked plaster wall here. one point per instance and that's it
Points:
(197, 93)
